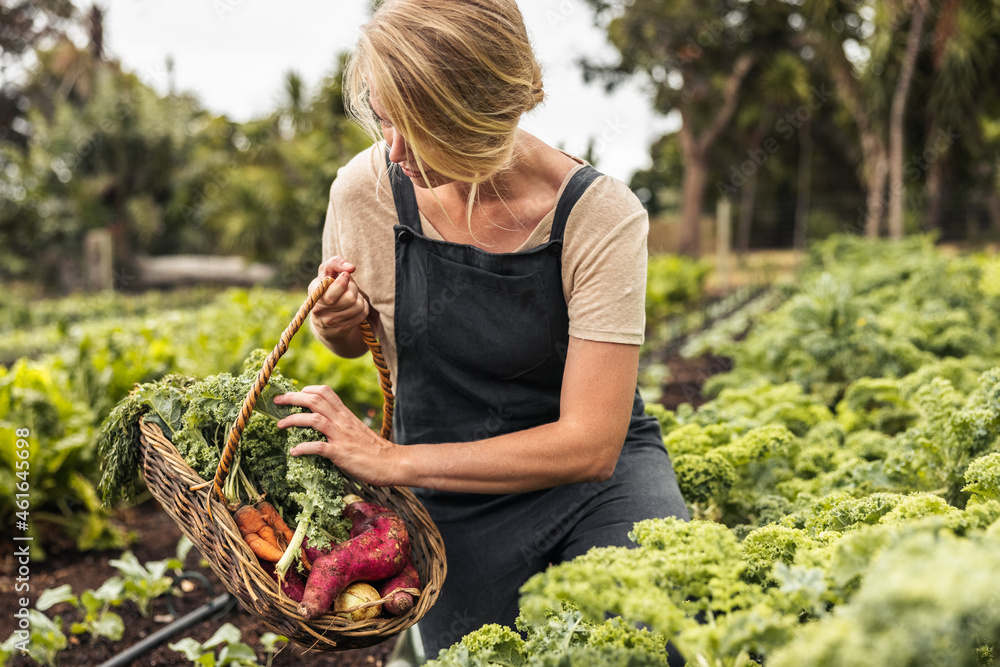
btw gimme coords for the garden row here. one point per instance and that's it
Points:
(844, 483)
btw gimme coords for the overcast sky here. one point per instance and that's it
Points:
(234, 54)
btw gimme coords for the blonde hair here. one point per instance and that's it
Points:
(454, 77)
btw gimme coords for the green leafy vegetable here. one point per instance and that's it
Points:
(197, 415)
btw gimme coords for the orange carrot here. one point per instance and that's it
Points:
(258, 535)
(275, 521)
(263, 549)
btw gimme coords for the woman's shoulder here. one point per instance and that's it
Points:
(360, 177)
(609, 199)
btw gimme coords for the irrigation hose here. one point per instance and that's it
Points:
(130, 654)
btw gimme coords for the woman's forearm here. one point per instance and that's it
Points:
(536, 458)
(349, 346)
(583, 445)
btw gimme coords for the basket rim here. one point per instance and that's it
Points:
(328, 630)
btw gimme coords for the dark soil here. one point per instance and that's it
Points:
(687, 377)
(156, 539)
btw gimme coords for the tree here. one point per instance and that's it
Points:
(859, 43)
(961, 97)
(781, 84)
(25, 26)
(897, 190)
(696, 57)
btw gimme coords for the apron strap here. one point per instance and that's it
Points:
(577, 185)
(403, 194)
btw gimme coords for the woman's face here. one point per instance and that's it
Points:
(399, 151)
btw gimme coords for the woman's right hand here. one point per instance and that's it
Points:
(342, 307)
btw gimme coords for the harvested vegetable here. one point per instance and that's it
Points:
(379, 549)
(275, 521)
(397, 592)
(196, 415)
(355, 602)
(291, 585)
(258, 535)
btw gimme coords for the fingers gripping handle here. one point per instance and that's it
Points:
(236, 432)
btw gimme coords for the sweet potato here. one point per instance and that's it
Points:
(379, 550)
(358, 512)
(396, 591)
(292, 586)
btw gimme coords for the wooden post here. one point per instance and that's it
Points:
(723, 243)
(98, 274)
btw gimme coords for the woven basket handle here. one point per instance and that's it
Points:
(236, 432)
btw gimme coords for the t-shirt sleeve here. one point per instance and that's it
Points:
(608, 255)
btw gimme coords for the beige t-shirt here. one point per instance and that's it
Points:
(603, 259)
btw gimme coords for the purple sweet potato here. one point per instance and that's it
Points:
(359, 512)
(292, 586)
(397, 600)
(379, 549)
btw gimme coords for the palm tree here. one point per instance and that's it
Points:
(897, 190)
(858, 43)
(966, 55)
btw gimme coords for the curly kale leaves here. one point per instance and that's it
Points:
(196, 416)
(562, 637)
(162, 403)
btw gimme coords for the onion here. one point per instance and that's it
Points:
(355, 595)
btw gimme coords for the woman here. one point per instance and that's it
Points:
(506, 281)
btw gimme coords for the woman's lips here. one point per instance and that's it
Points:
(409, 173)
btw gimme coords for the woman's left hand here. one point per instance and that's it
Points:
(350, 444)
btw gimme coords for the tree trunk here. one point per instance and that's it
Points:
(695, 173)
(874, 158)
(936, 191)
(992, 204)
(695, 151)
(876, 174)
(748, 193)
(803, 186)
(897, 190)
(748, 196)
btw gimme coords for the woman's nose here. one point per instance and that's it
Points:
(397, 148)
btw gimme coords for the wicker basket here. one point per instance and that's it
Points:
(198, 509)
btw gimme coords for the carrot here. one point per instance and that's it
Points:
(379, 549)
(258, 535)
(397, 591)
(275, 521)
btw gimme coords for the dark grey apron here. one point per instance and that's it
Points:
(481, 343)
